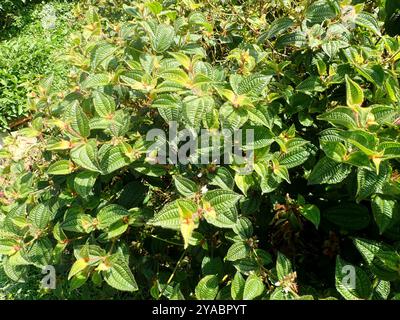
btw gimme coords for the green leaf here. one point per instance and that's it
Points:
(294, 157)
(40, 216)
(381, 290)
(370, 250)
(329, 171)
(295, 39)
(243, 182)
(237, 286)
(167, 217)
(207, 288)
(78, 266)
(38, 253)
(84, 182)
(111, 214)
(368, 21)
(86, 156)
(278, 26)
(8, 246)
(311, 84)
(253, 84)
(112, 158)
(78, 280)
(341, 116)
(349, 216)
(101, 54)
(321, 10)
(79, 121)
(154, 6)
(220, 207)
(60, 167)
(163, 38)
(354, 93)
(76, 221)
(283, 266)
(17, 273)
(334, 150)
(390, 259)
(238, 250)
(194, 109)
(368, 182)
(103, 104)
(119, 275)
(185, 186)
(188, 219)
(95, 80)
(212, 266)
(311, 213)
(243, 228)
(223, 179)
(384, 209)
(116, 229)
(351, 281)
(253, 287)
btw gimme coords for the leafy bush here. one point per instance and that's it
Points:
(315, 81)
(30, 46)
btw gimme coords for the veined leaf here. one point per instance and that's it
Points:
(321, 10)
(84, 182)
(218, 205)
(101, 54)
(354, 93)
(103, 104)
(237, 251)
(253, 287)
(311, 213)
(207, 288)
(384, 210)
(96, 80)
(40, 216)
(351, 281)
(163, 38)
(328, 171)
(188, 218)
(296, 39)
(185, 186)
(283, 266)
(341, 116)
(60, 167)
(168, 217)
(119, 275)
(237, 286)
(367, 20)
(111, 214)
(279, 26)
(348, 216)
(112, 158)
(86, 156)
(194, 109)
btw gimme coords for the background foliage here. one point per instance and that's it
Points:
(31, 47)
(318, 83)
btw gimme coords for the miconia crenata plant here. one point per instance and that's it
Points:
(112, 185)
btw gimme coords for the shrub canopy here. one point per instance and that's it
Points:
(316, 81)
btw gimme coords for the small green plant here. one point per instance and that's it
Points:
(85, 190)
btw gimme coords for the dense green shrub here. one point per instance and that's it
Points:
(32, 40)
(316, 81)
